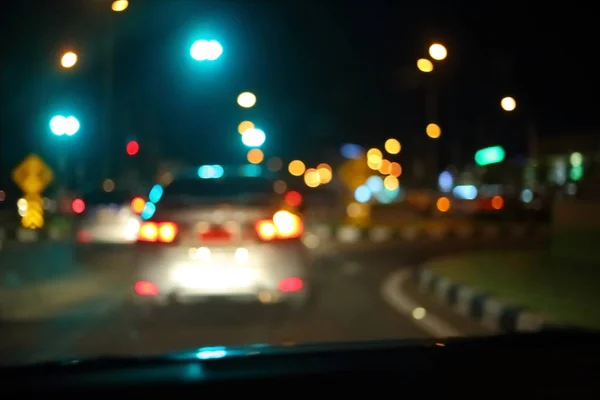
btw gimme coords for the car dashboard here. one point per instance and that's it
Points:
(546, 364)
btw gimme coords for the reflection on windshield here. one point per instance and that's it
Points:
(183, 176)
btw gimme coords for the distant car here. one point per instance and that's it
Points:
(107, 218)
(232, 237)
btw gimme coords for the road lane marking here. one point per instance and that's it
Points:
(391, 290)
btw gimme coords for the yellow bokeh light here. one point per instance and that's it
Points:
(438, 51)
(391, 182)
(508, 104)
(68, 60)
(395, 169)
(424, 65)
(324, 166)
(384, 168)
(296, 168)
(246, 99)
(244, 126)
(374, 163)
(255, 156)
(312, 178)
(392, 146)
(433, 131)
(374, 153)
(325, 175)
(443, 204)
(374, 159)
(119, 5)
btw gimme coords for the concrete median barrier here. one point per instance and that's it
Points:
(325, 237)
(496, 314)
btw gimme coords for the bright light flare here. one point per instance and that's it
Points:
(438, 51)
(68, 60)
(508, 104)
(246, 99)
(119, 5)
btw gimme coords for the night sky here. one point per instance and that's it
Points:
(324, 74)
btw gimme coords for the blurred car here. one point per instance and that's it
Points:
(232, 238)
(107, 218)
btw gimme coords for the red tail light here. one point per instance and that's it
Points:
(290, 284)
(145, 288)
(284, 225)
(157, 232)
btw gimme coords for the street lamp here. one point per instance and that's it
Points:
(244, 126)
(438, 51)
(246, 100)
(206, 50)
(119, 5)
(68, 59)
(508, 104)
(433, 131)
(253, 137)
(61, 125)
(424, 65)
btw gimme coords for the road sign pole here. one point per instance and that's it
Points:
(63, 169)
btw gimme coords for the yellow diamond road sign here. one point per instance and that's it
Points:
(32, 175)
(34, 216)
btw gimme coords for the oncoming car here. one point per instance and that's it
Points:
(221, 238)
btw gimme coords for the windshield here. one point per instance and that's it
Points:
(180, 174)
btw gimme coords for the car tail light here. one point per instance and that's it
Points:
(157, 232)
(290, 284)
(145, 288)
(284, 225)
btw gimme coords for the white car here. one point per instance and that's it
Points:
(231, 238)
(108, 218)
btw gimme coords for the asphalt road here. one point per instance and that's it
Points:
(350, 306)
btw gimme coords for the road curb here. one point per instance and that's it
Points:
(493, 312)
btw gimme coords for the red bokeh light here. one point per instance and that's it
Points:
(78, 206)
(293, 198)
(132, 148)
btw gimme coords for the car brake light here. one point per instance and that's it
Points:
(290, 284)
(284, 225)
(145, 288)
(157, 232)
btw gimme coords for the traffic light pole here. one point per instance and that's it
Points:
(431, 112)
(108, 98)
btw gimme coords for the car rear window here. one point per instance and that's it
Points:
(107, 198)
(231, 189)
